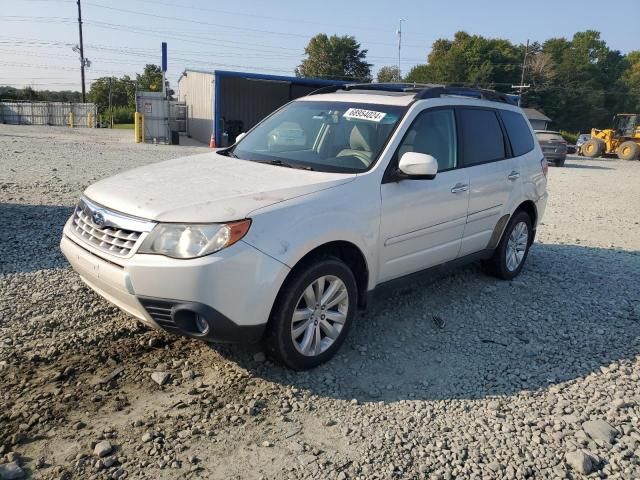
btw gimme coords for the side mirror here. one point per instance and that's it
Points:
(240, 136)
(418, 166)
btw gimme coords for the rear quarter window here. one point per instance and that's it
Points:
(518, 132)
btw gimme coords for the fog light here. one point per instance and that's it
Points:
(202, 325)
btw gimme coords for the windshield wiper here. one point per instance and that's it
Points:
(228, 153)
(280, 163)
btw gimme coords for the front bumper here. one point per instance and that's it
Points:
(232, 290)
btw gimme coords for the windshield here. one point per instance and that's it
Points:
(324, 136)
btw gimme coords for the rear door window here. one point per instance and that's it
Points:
(518, 131)
(482, 137)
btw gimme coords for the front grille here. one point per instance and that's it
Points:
(108, 238)
(160, 312)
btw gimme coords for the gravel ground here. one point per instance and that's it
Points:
(533, 378)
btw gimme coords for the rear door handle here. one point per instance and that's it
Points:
(514, 175)
(459, 188)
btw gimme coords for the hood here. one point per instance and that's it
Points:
(206, 188)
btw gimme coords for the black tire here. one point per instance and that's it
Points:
(558, 163)
(278, 338)
(497, 265)
(628, 150)
(592, 148)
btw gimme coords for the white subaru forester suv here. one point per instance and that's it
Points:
(284, 235)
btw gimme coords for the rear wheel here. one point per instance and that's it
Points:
(508, 259)
(312, 314)
(593, 148)
(628, 151)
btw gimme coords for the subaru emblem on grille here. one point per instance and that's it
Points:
(98, 218)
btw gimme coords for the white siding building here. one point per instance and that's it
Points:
(195, 89)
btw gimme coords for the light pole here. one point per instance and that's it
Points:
(399, 32)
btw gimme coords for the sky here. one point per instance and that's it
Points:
(121, 36)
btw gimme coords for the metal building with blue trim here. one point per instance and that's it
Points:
(224, 103)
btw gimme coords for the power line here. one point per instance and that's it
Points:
(288, 20)
(218, 25)
(25, 18)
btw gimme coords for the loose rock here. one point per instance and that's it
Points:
(600, 430)
(580, 462)
(102, 449)
(160, 377)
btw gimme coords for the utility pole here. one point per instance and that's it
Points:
(82, 62)
(110, 109)
(522, 86)
(399, 32)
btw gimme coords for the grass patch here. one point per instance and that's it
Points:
(124, 126)
(570, 137)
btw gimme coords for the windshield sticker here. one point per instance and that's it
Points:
(360, 114)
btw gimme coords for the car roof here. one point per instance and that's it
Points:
(404, 94)
(361, 96)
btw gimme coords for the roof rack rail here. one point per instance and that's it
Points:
(379, 86)
(480, 93)
(422, 91)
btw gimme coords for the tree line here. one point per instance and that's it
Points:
(579, 83)
(122, 91)
(30, 94)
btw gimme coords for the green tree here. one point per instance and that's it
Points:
(471, 59)
(631, 79)
(335, 58)
(584, 86)
(151, 79)
(579, 82)
(389, 74)
(420, 74)
(122, 92)
(28, 93)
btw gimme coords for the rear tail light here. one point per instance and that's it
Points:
(545, 166)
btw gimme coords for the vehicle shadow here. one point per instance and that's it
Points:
(30, 237)
(584, 166)
(572, 311)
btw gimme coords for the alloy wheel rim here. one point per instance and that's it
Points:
(517, 246)
(320, 315)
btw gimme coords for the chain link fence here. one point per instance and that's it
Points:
(49, 113)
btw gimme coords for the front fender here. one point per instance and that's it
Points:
(289, 230)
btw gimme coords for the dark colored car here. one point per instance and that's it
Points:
(554, 147)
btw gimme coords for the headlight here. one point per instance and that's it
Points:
(191, 241)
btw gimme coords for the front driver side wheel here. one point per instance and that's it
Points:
(513, 249)
(312, 314)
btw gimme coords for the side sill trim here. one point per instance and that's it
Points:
(431, 273)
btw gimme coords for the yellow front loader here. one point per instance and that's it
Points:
(622, 140)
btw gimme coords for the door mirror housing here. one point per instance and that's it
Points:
(417, 166)
(240, 136)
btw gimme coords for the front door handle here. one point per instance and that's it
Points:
(459, 188)
(514, 175)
